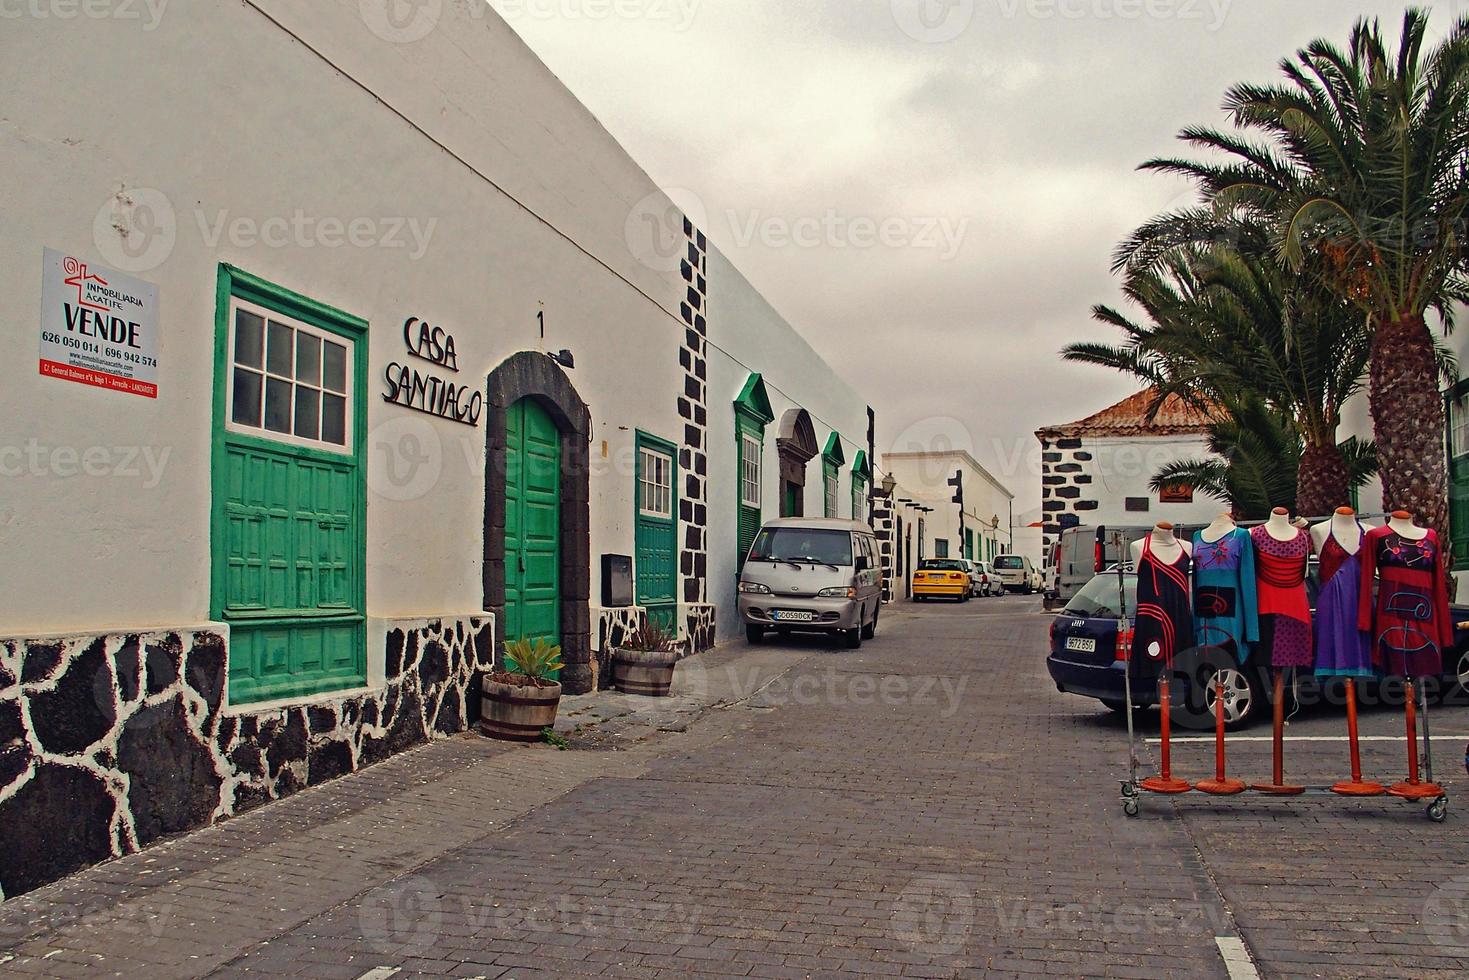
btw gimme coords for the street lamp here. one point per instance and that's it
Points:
(889, 484)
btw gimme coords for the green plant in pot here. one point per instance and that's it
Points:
(643, 663)
(519, 702)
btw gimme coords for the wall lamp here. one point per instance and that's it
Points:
(563, 357)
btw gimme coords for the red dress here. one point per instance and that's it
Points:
(1409, 622)
(1284, 608)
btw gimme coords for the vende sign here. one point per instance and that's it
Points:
(98, 327)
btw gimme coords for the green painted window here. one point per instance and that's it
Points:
(832, 459)
(655, 544)
(288, 496)
(752, 415)
(969, 544)
(829, 487)
(1458, 445)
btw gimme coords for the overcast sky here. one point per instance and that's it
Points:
(951, 173)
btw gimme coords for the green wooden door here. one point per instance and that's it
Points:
(655, 544)
(791, 501)
(532, 524)
(289, 492)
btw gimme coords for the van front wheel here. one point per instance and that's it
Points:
(870, 630)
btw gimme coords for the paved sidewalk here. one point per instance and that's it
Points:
(927, 806)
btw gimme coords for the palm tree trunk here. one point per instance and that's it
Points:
(1323, 484)
(1408, 418)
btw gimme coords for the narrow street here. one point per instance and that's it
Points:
(925, 806)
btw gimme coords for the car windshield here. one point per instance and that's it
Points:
(952, 565)
(1099, 599)
(1012, 563)
(804, 545)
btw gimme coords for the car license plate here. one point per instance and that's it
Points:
(793, 617)
(1081, 644)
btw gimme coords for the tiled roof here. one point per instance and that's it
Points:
(1129, 417)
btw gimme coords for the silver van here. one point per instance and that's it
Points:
(1018, 574)
(812, 576)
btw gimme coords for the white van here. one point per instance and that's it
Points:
(1018, 574)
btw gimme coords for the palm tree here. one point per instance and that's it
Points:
(1366, 163)
(1256, 456)
(1227, 325)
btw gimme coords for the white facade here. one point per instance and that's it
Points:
(987, 516)
(488, 201)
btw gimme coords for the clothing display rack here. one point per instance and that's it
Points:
(1413, 790)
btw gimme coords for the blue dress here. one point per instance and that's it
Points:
(1225, 612)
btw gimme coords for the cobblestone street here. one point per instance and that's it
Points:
(925, 806)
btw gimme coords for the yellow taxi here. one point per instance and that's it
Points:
(941, 578)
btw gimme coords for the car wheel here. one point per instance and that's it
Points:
(870, 630)
(854, 638)
(1196, 670)
(754, 634)
(1453, 688)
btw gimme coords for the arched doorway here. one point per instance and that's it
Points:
(537, 544)
(796, 445)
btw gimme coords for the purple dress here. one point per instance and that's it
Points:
(1342, 650)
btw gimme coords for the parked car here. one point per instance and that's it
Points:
(812, 576)
(1090, 651)
(1018, 574)
(942, 578)
(990, 580)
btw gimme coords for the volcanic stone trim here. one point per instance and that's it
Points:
(884, 525)
(693, 408)
(614, 626)
(1067, 489)
(110, 742)
(531, 374)
(699, 626)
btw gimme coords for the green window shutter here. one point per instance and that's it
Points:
(1458, 451)
(288, 511)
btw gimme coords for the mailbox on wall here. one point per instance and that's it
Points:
(616, 581)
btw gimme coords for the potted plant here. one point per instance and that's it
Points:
(519, 703)
(644, 662)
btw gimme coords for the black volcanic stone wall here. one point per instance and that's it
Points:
(127, 740)
(693, 456)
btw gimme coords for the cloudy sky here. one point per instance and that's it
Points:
(953, 173)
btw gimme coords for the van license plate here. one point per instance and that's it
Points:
(1080, 644)
(793, 617)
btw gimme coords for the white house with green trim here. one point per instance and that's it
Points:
(337, 352)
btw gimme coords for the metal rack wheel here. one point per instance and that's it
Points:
(1438, 810)
(1130, 806)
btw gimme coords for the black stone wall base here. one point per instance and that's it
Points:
(614, 626)
(111, 742)
(699, 626)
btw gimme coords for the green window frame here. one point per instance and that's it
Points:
(288, 513)
(1457, 447)
(861, 477)
(832, 460)
(752, 414)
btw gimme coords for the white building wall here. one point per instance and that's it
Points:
(747, 335)
(524, 203)
(924, 479)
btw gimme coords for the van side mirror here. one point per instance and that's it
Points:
(862, 563)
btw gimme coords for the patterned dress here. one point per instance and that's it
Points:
(1342, 650)
(1163, 614)
(1411, 624)
(1285, 610)
(1224, 593)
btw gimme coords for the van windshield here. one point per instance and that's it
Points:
(1010, 563)
(804, 545)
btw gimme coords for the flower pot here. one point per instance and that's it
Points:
(515, 712)
(649, 673)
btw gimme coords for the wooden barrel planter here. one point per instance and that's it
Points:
(649, 673)
(514, 713)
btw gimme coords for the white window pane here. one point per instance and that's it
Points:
(334, 367)
(279, 352)
(249, 339)
(334, 420)
(308, 359)
(278, 405)
(308, 412)
(247, 397)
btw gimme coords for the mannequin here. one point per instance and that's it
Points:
(1223, 524)
(1164, 620)
(1344, 526)
(1409, 623)
(1343, 650)
(1165, 544)
(1282, 555)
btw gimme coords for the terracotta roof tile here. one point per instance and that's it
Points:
(1129, 417)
